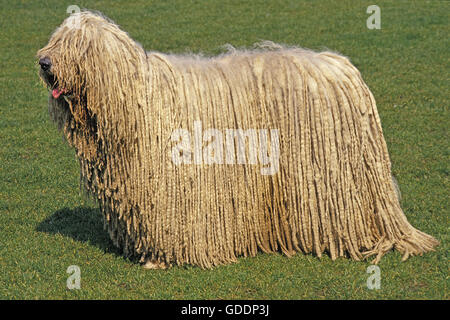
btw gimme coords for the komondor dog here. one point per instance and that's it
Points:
(197, 160)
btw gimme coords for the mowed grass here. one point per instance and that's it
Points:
(46, 225)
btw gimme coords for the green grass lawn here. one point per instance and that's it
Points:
(46, 225)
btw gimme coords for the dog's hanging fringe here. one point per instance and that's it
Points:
(333, 192)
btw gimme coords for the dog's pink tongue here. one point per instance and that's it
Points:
(56, 93)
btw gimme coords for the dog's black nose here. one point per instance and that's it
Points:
(45, 63)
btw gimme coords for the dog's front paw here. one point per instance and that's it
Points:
(153, 264)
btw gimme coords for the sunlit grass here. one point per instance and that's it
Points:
(46, 225)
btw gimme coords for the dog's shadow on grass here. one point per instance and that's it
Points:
(81, 224)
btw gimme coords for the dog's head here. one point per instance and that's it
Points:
(90, 61)
(97, 76)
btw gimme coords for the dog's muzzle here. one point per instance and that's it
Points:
(49, 78)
